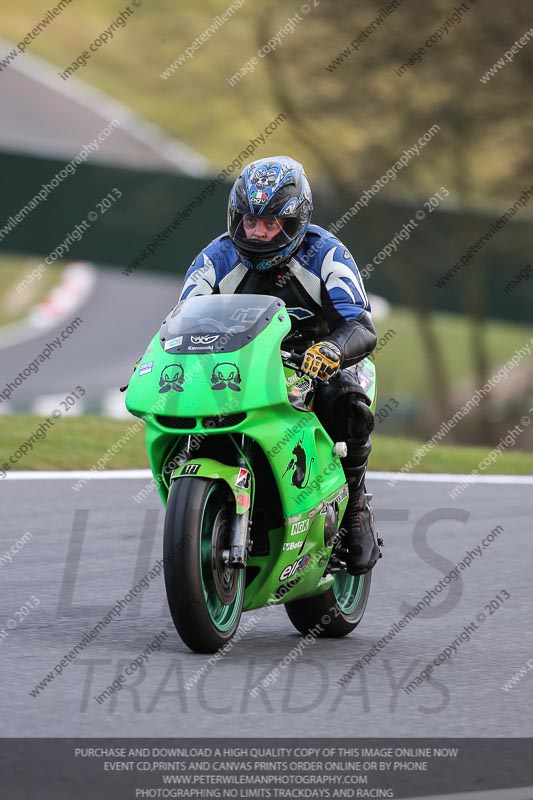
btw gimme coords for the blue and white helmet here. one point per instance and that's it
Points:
(270, 187)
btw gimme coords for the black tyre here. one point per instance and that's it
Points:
(204, 596)
(335, 612)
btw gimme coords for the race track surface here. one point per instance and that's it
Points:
(118, 320)
(89, 547)
(46, 115)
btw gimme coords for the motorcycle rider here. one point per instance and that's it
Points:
(271, 248)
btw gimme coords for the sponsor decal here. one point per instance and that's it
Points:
(190, 469)
(205, 339)
(258, 197)
(146, 368)
(243, 479)
(175, 342)
(172, 378)
(301, 384)
(312, 512)
(364, 376)
(292, 545)
(323, 561)
(292, 569)
(346, 255)
(292, 379)
(300, 527)
(226, 375)
(298, 465)
(293, 519)
(243, 500)
(342, 494)
(247, 315)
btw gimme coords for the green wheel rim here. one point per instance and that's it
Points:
(222, 614)
(347, 590)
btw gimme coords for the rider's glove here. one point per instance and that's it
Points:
(322, 360)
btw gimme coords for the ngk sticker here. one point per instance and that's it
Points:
(300, 527)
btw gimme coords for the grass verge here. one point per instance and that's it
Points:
(401, 362)
(79, 443)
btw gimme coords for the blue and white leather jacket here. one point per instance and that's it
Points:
(320, 285)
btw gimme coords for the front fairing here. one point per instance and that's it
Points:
(221, 357)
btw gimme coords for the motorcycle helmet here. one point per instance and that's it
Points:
(269, 188)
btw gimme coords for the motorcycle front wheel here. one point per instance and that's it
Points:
(204, 595)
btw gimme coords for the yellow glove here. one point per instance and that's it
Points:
(322, 360)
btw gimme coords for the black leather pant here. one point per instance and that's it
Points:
(343, 408)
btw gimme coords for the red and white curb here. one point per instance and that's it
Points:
(65, 299)
(61, 305)
(108, 404)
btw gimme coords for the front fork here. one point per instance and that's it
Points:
(240, 542)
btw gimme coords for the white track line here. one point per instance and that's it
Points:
(138, 474)
(101, 475)
(449, 477)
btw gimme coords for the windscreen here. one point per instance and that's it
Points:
(217, 322)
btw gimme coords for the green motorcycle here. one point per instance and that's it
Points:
(253, 485)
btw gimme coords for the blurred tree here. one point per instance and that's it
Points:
(480, 154)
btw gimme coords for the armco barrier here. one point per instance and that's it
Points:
(151, 200)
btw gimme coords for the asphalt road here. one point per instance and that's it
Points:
(42, 113)
(119, 319)
(88, 548)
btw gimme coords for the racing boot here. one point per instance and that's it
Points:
(360, 545)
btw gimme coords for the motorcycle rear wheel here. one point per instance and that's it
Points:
(334, 613)
(205, 596)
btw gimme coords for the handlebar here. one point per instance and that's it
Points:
(292, 358)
